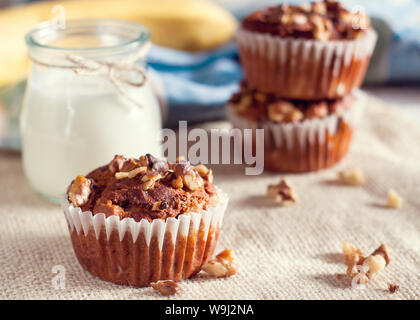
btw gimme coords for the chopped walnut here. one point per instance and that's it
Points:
(165, 287)
(384, 251)
(305, 7)
(177, 183)
(284, 111)
(374, 265)
(243, 104)
(393, 288)
(299, 18)
(317, 110)
(130, 174)
(192, 182)
(371, 265)
(149, 180)
(282, 193)
(322, 29)
(260, 97)
(204, 172)
(352, 176)
(395, 201)
(223, 265)
(116, 164)
(349, 251)
(319, 7)
(79, 191)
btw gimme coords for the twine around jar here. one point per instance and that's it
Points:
(113, 71)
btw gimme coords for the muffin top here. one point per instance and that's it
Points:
(322, 20)
(144, 188)
(256, 106)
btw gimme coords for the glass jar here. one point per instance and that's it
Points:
(87, 99)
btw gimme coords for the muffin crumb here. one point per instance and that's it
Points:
(395, 201)
(223, 265)
(352, 176)
(282, 193)
(393, 288)
(165, 287)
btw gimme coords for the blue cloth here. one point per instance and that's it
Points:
(198, 85)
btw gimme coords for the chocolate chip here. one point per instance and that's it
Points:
(157, 164)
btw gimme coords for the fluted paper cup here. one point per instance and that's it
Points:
(310, 145)
(304, 69)
(137, 253)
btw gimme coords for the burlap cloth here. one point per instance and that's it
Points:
(283, 253)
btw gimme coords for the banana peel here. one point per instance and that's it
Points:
(191, 25)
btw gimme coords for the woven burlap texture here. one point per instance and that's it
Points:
(283, 253)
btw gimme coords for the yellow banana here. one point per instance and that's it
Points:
(180, 24)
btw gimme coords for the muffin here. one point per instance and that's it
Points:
(309, 52)
(299, 135)
(136, 221)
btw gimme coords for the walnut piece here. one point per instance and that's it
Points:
(374, 264)
(284, 111)
(79, 191)
(317, 110)
(384, 251)
(395, 201)
(350, 251)
(371, 265)
(149, 180)
(282, 193)
(352, 176)
(116, 164)
(243, 104)
(165, 287)
(177, 183)
(393, 288)
(204, 172)
(223, 265)
(130, 174)
(192, 182)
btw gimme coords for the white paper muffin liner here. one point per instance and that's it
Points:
(295, 143)
(106, 246)
(304, 68)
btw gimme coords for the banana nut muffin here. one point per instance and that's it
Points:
(137, 221)
(313, 51)
(147, 188)
(299, 135)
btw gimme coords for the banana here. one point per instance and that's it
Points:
(190, 25)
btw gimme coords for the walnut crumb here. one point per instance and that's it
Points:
(395, 201)
(393, 288)
(282, 193)
(165, 287)
(371, 265)
(223, 265)
(352, 176)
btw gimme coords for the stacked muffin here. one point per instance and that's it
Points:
(303, 65)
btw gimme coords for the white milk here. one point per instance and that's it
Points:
(71, 124)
